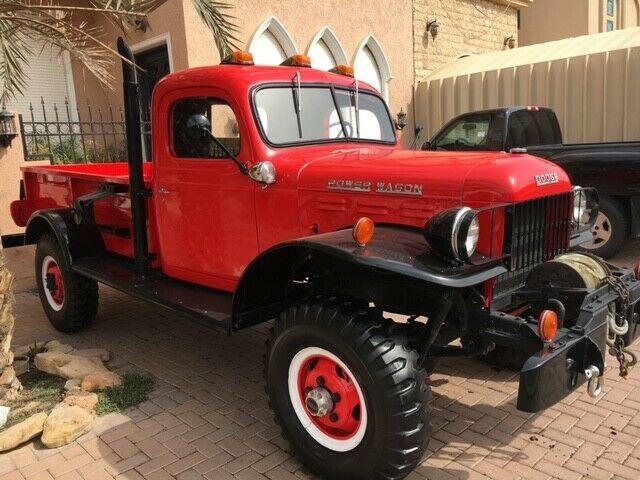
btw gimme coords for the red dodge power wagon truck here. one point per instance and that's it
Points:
(281, 193)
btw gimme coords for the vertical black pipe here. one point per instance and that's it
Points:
(134, 152)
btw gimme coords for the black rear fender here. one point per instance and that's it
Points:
(397, 270)
(76, 241)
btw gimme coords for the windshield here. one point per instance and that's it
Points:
(290, 115)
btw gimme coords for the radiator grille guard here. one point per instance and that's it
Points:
(536, 231)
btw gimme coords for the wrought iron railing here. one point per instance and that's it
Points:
(96, 135)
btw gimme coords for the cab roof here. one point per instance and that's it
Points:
(245, 77)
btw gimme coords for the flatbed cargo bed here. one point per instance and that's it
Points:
(102, 172)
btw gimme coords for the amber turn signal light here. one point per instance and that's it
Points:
(547, 325)
(363, 231)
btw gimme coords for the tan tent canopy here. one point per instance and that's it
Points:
(592, 82)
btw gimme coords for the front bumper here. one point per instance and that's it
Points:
(558, 369)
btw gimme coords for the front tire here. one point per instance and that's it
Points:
(69, 300)
(347, 391)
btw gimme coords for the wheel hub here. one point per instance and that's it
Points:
(53, 283)
(319, 402)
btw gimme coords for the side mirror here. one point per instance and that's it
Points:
(263, 172)
(198, 127)
(426, 146)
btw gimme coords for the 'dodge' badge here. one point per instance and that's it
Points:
(547, 179)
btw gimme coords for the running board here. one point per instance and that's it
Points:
(208, 306)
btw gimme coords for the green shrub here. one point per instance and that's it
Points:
(135, 389)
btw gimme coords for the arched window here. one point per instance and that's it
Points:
(271, 43)
(325, 50)
(371, 66)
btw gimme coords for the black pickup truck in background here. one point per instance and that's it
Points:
(612, 168)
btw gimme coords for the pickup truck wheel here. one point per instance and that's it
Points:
(69, 300)
(347, 391)
(610, 230)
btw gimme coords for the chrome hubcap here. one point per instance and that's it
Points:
(319, 402)
(601, 232)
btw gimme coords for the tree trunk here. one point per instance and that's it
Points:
(8, 380)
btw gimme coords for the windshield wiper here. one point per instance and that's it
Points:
(357, 109)
(296, 102)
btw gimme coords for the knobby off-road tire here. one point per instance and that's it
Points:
(340, 347)
(69, 300)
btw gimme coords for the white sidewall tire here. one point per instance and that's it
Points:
(318, 435)
(43, 272)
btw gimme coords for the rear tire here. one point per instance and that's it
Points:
(69, 300)
(610, 230)
(366, 361)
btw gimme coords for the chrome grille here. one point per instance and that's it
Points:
(536, 231)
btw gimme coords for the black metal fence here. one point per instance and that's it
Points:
(55, 134)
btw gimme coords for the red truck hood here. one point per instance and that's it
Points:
(409, 187)
(484, 177)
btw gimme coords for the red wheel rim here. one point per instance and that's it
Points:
(54, 282)
(344, 419)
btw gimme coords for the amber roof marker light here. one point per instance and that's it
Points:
(345, 70)
(297, 60)
(363, 231)
(239, 57)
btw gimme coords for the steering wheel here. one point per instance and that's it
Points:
(463, 142)
(348, 127)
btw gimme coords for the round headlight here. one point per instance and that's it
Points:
(579, 206)
(454, 233)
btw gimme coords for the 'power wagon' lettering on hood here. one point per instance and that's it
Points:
(380, 187)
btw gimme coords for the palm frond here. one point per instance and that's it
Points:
(24, 23)
(213, 14)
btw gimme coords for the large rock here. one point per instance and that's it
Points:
(64, 424)
(56, 346)
(68, 366)
(85, 400)
(7, 376)
(22, 432)
(72, 385)
(100, 381)
(100, 353)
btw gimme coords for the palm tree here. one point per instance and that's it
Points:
(24, 23)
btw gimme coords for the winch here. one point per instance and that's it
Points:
(577, 271)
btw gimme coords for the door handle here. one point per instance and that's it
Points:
(163, 191)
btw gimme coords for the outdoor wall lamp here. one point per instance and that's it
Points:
(7, 128)
(401, 121)
(432, 28)
(509, 42)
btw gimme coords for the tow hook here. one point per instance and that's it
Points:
(595, 381)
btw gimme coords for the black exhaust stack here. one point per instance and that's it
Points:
(134, 151)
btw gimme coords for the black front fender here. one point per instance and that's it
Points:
(76, 241)
(398, 261)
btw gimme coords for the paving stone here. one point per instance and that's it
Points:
(208, 417)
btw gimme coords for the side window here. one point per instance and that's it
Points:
(532, 128)
(472, 132)
(223, 126)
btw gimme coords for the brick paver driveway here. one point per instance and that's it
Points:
(209, 415)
